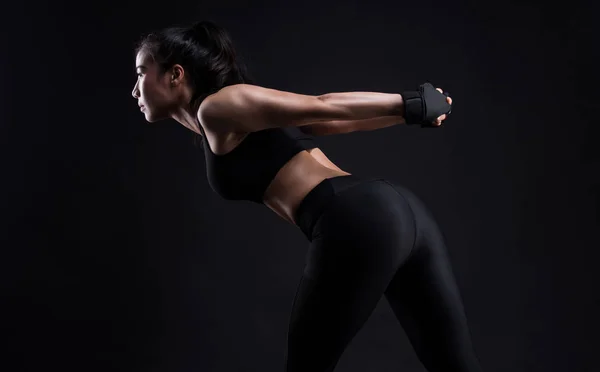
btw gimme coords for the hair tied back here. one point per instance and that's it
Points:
(204, 32)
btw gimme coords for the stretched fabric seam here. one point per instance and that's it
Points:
(414, 217)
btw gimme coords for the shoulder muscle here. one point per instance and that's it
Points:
(249, 108)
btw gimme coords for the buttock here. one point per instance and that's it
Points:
(353, 207)
(365, 227)
(315, 202)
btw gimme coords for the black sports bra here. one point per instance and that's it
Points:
(246, 171)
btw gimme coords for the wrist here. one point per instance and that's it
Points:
(399, 106)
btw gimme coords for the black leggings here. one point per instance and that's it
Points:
(370, 237)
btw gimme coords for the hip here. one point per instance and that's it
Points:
(355, 207)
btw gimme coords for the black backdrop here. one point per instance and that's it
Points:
(116, 255)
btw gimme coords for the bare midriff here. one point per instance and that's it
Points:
(293, 181)
(296, 179)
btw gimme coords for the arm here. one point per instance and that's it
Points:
(325, 128)
(249, 108)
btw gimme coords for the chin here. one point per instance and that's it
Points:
(150, 118)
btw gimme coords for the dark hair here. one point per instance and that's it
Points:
(206, 52)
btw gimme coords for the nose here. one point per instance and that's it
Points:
(135, 92)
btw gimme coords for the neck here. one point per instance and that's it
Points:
(187, 116)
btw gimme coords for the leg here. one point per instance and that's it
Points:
(426, 301)
(323, 322)
(363, 240)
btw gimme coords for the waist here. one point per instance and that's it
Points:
(293, 182)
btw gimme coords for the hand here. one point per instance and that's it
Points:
(439, 120)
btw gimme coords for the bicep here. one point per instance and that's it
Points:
(249, 108)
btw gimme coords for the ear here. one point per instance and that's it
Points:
(177, 75)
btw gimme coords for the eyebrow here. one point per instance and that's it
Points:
(140, 67)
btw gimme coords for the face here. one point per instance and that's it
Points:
(153, 90)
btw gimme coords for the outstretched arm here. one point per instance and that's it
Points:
(250, 108)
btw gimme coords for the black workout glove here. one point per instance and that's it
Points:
(425, 106)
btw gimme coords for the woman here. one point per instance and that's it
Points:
(368, 237)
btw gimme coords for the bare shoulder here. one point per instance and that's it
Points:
(230, 96)
(218, 110)
(249, 108)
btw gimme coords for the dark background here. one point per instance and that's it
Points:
(117, 256)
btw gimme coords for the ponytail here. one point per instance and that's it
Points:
(223, 60)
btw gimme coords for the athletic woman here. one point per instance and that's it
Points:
(368, 237)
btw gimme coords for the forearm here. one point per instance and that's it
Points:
(364, 105)
(328, 127)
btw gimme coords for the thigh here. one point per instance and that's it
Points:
(324, 320)
(426, 300)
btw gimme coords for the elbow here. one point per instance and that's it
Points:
(317, 129)
(330, 127)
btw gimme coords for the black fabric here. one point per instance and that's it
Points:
(371, 238)
(425, 106)
(246, 172)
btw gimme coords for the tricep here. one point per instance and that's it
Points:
(250, 108)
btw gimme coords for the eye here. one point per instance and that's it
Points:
(139, 74)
